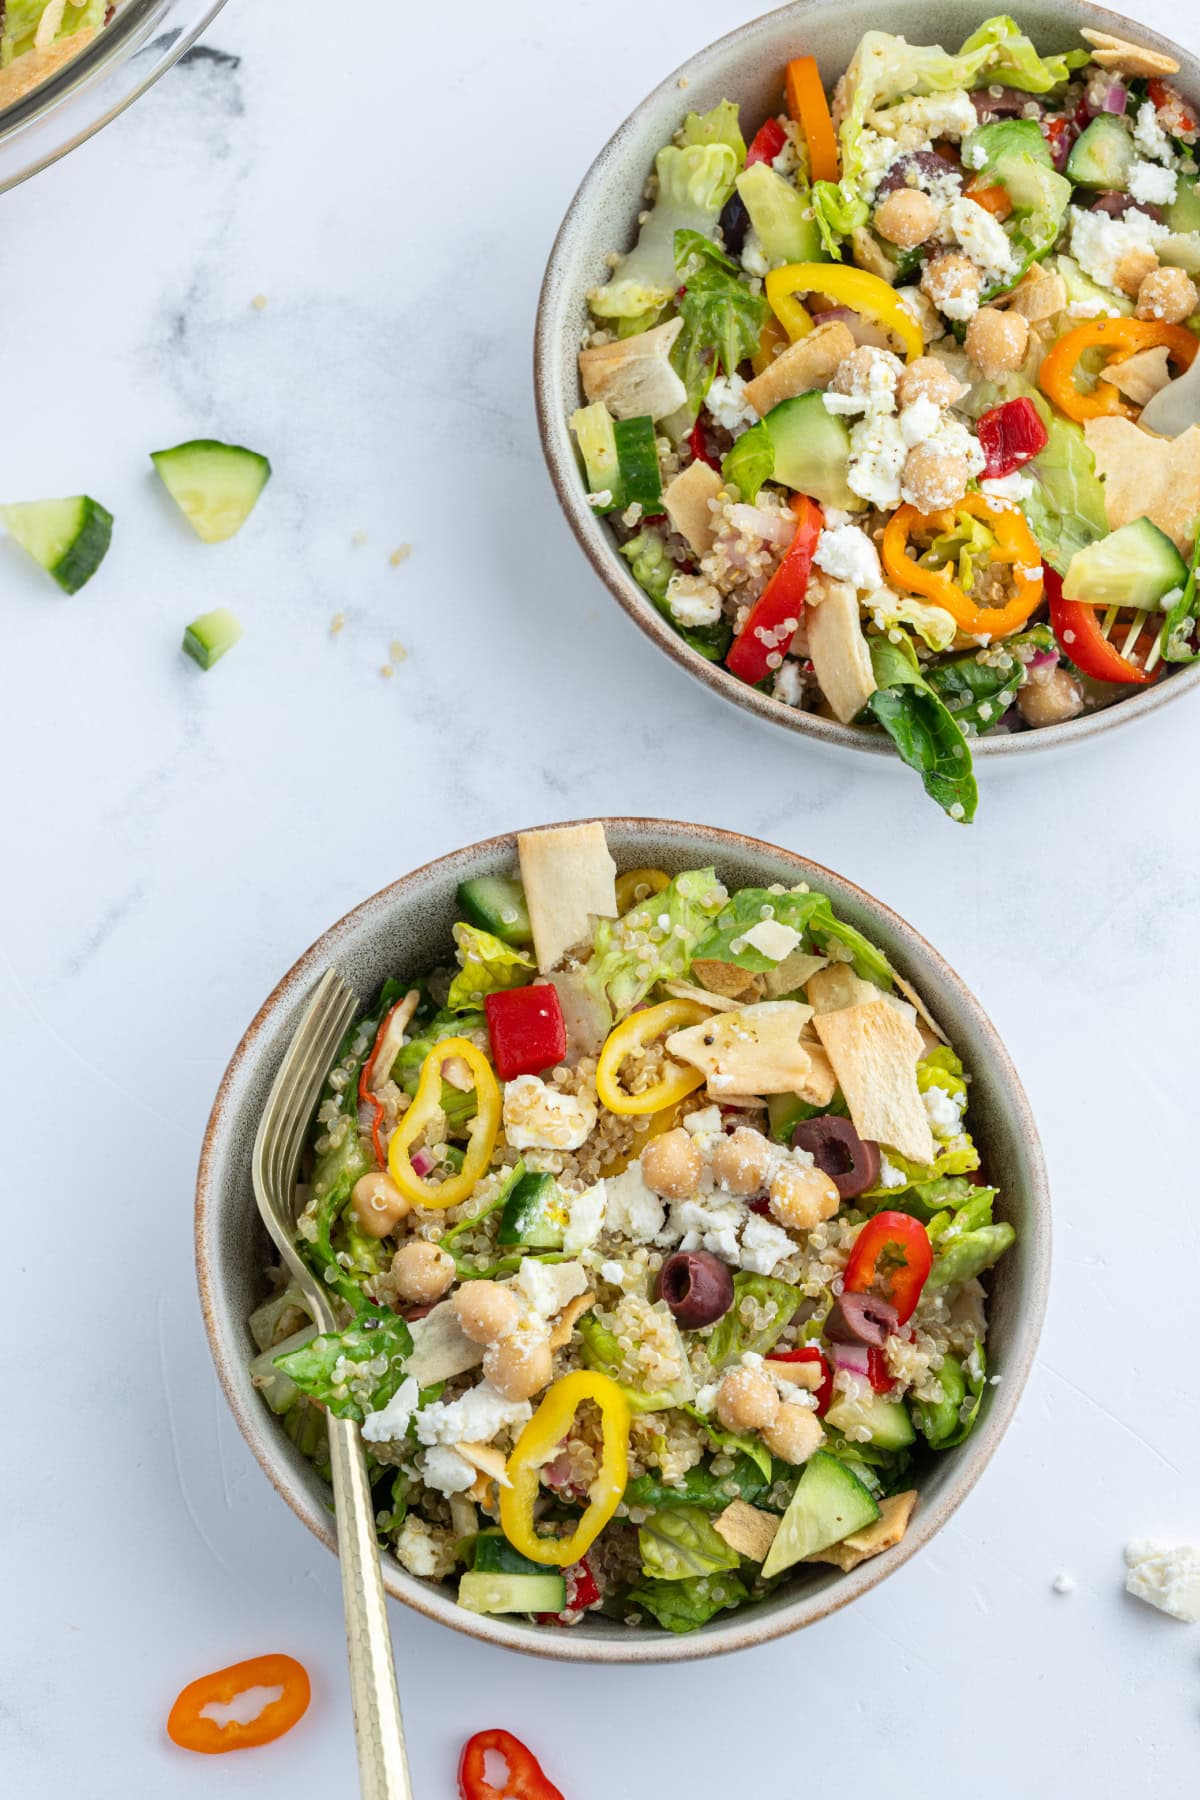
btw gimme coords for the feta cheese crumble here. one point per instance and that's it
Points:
(391, 1421)
(1099, 242)
(728, 405)
(693, 600)
(547, 1287)
(1166, 1576)
(983, 239)
(1150, 182)
(1149, 135)
(847, 554)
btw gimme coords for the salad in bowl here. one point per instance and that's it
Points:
(660, 1240)
(888, 405)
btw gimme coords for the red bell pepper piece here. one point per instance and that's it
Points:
(1079, 637)
(892, 1257)
(699, 448)
(1010, 435)
(583, 1591)
(526, 1028)
(1164, 95)
(767, 142)
(810, 1354)
(760, 646)
(525, 1780)
(365, 1092)
(877, 1370)
(1059, 133)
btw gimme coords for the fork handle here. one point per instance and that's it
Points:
(378, 1727)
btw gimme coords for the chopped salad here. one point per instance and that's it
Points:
(888, 408)
(657, 1231)
(38, 36)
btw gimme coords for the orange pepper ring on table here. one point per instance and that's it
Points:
(1123, 338)
(1015, 546)
(187, 1726)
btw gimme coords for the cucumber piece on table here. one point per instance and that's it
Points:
(534, 1214)
(497, 904)
(484, 1593)
(829, 1503)
(1136, 565)
(214, 485)
(888, 1421)
(208, 638)
(69, 538)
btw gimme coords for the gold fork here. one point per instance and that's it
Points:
(378, 1728)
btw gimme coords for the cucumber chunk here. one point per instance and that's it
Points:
(69, 538)
(620, 457)
(534, 1214)
(497, 904)
(1082, 290)
(812, 451)
(829, 1503)
(1134, 566)
(1183, 214)
(781, 215)
(887, 1420)
(1102, 155)
(214, 485)
(208, 638)
(485, 1593)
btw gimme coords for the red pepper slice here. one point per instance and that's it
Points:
(526, 1779)
(1079, 637)
(699, 448)
(767, 142)
(1009, 436)
(877, 1370)
(364, 1087)
(892, 1256)
(1163, 94)
(810, 1354)
(583, 1591)
(191, 1730)
(1059, 133)
(526, 1028)
(776, 613)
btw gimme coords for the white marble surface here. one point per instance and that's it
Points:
(173, 840)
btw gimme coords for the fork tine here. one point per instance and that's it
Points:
(307, 1089)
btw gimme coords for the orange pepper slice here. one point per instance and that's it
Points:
(188, 1727)
(1015, 546)
(1122, 338)
(810, 109)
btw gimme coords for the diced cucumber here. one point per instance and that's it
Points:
(481, 1593)
(781, 215)
(534, 1214)
(595, 433)
(812, 451)
(214, 485)
(208, 638)
(69, 538)
(1083, 291)
(887, 1420)
(1103, 155)
(1183, 214)
(637, 457)
(496, 903)
(494, 1555)
(1134, 566)
(829, 1503)
(620, 457)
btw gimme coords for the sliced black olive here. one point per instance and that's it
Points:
(735, 223)
(697, 1287)
(851, 1162)
(861, 1319)
(928, 163)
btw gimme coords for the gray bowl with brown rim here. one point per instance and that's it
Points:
(407, 926)
(747, 66)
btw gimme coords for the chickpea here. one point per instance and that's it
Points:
(378, 1203)
(933, 478)
(1050, 697)
(671, 1165)
(793, 1434)
(1167, 294)
(953, 282)
(801, 1197)
(906, 218)
(864, 370)
(486, 1310)
(422, 1272)
(520, 1364)
(747, 1401)
(996, 342)
(742, 1161)
(929, 379)
(1133, 269)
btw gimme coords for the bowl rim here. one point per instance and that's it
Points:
(756, 1628)
(550, 383)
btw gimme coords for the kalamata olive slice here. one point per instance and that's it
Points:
(1117, 205)
(861, 1319)
(851, 1162)
(697, 1287)
(998, 102)
(928, 163)
(735, 223)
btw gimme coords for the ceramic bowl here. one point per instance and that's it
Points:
(747, 66)
(407, 926)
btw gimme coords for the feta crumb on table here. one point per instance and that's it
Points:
(1167, 1576)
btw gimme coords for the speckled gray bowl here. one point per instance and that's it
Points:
(747, 66)
(407, 926)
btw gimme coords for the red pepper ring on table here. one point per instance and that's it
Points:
(892, 1256)
(773, 618)
(1080, 638)
(188, 1727)
(525, 1780)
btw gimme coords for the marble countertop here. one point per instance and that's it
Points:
(173, 840)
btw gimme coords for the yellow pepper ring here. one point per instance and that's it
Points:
(427, 1103)
(634, 1033)
(858, 289)
(628, 884)
(1015, 546)
(538, 1444)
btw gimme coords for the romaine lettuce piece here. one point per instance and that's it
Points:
(810, 913)
(686, 1605)
(924, 731)
(485, 965)
(628, 960)
(342, 1369)
(731, 1337)
(722, 319)
(720, 125)
(694, 182)
(680, 1543)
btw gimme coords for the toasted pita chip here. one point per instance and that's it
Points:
(487, 1459)
(794, 972)
(1039, 295)
(838, 648)
(809, 363)
(29, 71)
(633, 376)
(755, 1050)
(683, 990)
(884, 1534)
(923, 1013)
(1128, 59)
(747, 1530)
(564, 1325)
(808, 1375)
(569, 877)
(441, 1348)
(1148, 477)
(1140, 377)
(728, 980)
(874, 1051)
(685, 502)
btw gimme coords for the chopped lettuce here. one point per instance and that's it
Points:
(722, 319)
(924, 731)
(406, 1070)
(750, 463)
(1065, 511)
(686, 1605)
(839, 209)
(602, 1350)
(979, 694)
(21, 18)
(700, 1487)
(942, 1068)
(720, 125)
(355, 1371)
(948, 1421)
(486, 964)
(1013, 154)
(631, 954)
(652, 569)
(694, 182)
(1179, 642)
(740, 1444)
(680, 1543)
(806, 911)
(733, 1336)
